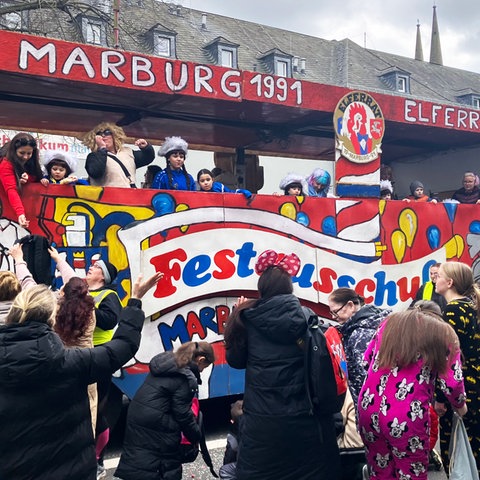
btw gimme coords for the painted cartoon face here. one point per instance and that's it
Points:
(24, 153)
(57, 172)
(205, 182)
(176, 159)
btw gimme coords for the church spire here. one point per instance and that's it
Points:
(435, 48)
(418, 45)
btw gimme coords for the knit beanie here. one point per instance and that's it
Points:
(414, 185)
(108, 269)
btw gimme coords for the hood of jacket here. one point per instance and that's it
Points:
(164, 365)
(368, 317)
(31, 352)
(280, 318)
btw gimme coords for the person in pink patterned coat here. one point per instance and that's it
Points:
(411, 350)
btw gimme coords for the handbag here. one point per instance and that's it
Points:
(462, 461)
(124, 169)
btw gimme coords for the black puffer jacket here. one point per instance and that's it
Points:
(357, 332)
(279, 440)
(46, 431)
(159, 412)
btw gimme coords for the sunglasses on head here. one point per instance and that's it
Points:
(23, 142)
(104, 133)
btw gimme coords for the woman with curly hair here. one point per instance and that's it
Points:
(110, 163)
(74, 324)
(19, 164)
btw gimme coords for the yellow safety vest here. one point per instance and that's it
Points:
(101, 336)
(427, 291)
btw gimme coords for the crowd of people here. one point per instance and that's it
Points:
(407, 371)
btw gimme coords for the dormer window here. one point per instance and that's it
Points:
(469, 97)
(93, 30)
(162, 41)
(396, 79)
(277, 62)
(221, 51)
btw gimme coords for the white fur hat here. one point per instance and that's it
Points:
(173, 144)
(386, 185)
(50, 155)
(294, 178)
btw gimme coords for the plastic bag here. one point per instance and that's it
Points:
(462, 461)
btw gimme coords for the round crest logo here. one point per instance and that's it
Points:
(359, 127)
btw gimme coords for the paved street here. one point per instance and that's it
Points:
(199, 471)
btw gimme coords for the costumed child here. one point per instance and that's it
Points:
(411, 353)
(318, 183)
(60, 166)
(417, 195)
(175, 175)
(19, 164)
(294, 184)
(207, 184)
(386, 189)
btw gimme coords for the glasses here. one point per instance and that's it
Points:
(334, 313)
(104, 133)
(23, 142)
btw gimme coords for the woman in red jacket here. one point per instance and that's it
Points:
(20, 164)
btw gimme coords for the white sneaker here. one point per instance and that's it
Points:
(101, 472)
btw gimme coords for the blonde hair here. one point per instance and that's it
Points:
(119, 136)
(37, 304)
(463, 282)
(188, 352)
(413, 333)
(9, 285)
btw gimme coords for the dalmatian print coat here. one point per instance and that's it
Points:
(393, 409)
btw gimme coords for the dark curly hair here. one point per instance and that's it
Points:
(74, 312)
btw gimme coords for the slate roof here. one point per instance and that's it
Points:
(342, 63)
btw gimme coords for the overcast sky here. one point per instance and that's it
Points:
(385, 25)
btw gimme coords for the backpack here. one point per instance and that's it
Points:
(325, 366)
(35, 253)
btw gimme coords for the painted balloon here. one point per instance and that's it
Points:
(399, 244)
(303, 219)
(288, 210)
(454, 247)
(433, 235)
(329, 226)
(475, 227)
(408, 225)
(163, 203)
(451, 209)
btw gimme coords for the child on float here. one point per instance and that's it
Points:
(294, 184)
(206, 183)
(175, 175)
(417, 193)
(412, 352)
(20, 164)
(318, 183)
(386, 189)
(59, 167)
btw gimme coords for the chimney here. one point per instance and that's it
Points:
(204, 21)
(295, 63)
(435, 49)
(418, 45)
(302, 65)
